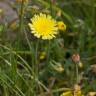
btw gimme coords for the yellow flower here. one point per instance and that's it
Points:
(61, 25)
(43, 26)
(42, 55)
(68, 93)
(75, 92)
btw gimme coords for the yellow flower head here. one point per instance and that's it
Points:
(61, 25)
(42, 55)
(68, 93)
(43, 26)
(75, 92)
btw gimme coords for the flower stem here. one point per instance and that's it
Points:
(77, 73)
(36, 70)
(48, 52)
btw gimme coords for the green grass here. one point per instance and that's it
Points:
(22, 73)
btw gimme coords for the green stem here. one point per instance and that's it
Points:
(36, 57)
(36, 70)
(20, 23)
(48, 52)
(77, 73)
(21, 16)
